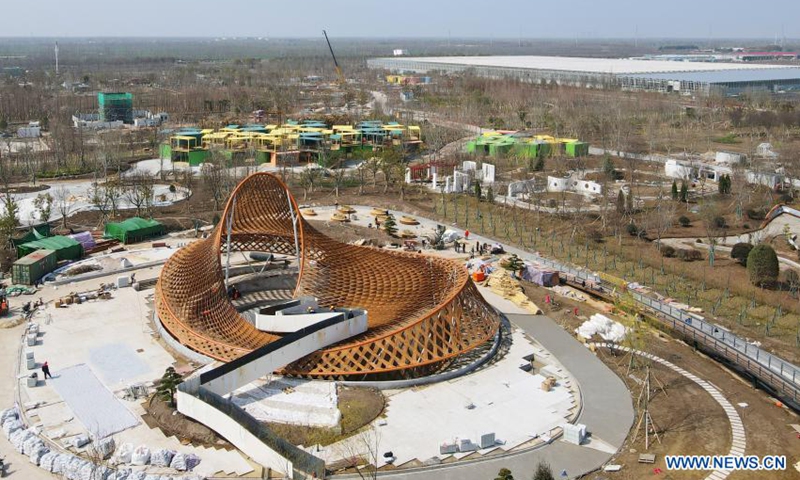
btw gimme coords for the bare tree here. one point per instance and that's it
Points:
(64, 203)
(99, 197)
(139, 191)
(216, 179)
(663, 217)
(308, 178)
(113, 192)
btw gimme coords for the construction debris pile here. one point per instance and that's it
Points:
(501, 283)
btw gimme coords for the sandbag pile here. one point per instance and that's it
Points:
(162, 458)
(27, 442)
(9, 419)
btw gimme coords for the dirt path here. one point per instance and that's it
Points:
(693, 422)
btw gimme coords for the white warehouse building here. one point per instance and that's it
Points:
(629, 74)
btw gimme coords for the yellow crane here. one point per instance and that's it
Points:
(335, 62)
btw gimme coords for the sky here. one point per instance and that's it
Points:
(406, 18)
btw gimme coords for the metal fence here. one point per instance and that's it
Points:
(775, 372)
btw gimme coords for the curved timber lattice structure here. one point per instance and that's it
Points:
(422, 311)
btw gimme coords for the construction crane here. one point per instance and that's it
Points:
(335, 62)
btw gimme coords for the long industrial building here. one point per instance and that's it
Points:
(689, 78)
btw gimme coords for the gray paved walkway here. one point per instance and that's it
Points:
(607, 413)
(607, 405)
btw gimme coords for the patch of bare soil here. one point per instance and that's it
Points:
(347, 232)
(690, 421)
(171, 422)
(28, 188)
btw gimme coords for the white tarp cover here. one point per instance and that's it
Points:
(96, 407)
(598, 324)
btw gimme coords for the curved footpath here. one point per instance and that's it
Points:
(607, 407)
(738, 439)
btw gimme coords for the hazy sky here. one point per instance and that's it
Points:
(408, 18)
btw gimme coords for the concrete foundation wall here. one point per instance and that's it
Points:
(257, 368)
(233, 432)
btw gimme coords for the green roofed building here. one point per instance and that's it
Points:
(133, 230)
(66, 248)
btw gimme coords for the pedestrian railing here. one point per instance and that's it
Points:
(776, 373)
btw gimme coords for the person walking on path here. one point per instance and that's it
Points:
(46, 370)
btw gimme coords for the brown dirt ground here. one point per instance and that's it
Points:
(690, 421)
(160, 414)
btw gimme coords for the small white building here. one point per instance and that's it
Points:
(730, 158)
(680, 170)
(29, 132)
(764, 150)
(574, 185)
(768, 179)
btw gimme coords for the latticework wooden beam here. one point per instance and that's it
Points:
(422, 310)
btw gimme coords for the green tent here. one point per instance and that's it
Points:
(36, 232)
(133, 230)
(66, 248)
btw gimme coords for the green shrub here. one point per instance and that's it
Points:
(758, 213)
(667, 251)
(719, 222)
(594, 235)
(793, 279)
(684, 221)
(728, 139)
(740, 251)
(632, 230)
(762, 265)
(689, 255)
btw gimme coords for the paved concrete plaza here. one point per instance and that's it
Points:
(500, 399)
(113, 339)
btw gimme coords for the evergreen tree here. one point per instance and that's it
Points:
(684, 195)
(169, 385)
(477, 189)
(513, 264)
(608, 167)
(490, 194)
(543, 472)
(629, 203)
(721, 185)
(504, 474)
(390, 226)
(9, 218)
(674, 190)
(762, 265)
(621, 202)
(538, 164)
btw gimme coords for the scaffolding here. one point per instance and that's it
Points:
(115, 107)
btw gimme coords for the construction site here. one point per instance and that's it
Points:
(481, 261)
(290, 144)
